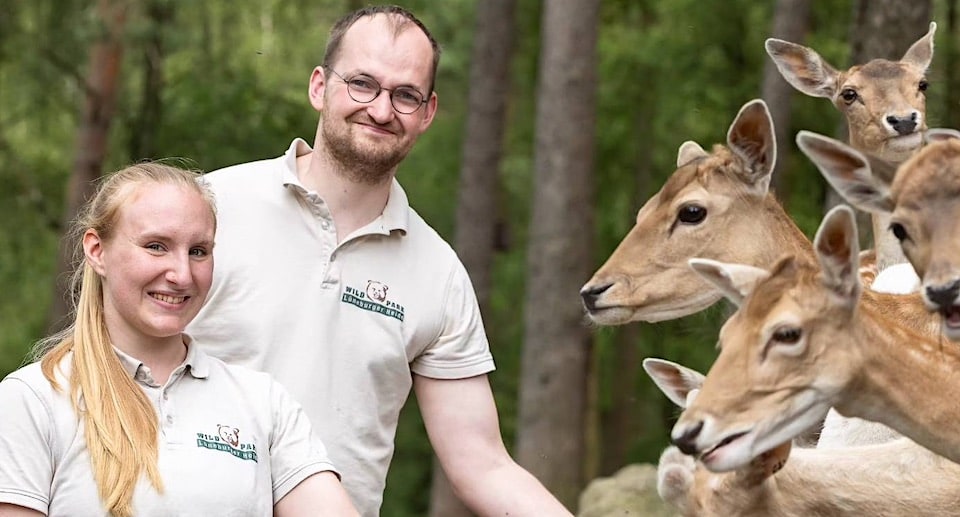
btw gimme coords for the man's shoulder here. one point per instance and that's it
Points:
(426, 237)
(242, 173)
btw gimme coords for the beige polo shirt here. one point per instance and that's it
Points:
(342, 326)
(232, 442)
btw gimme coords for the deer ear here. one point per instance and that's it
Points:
(939, 134)
(803, 68)
(920, 54)
(752, 139)
(735, 281)
(688, 152)
(848, 171)
(679, 383)
(838, 250)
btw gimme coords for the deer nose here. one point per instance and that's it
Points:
(903, 125)
(686, 442)
(591, 293)
(944, 295)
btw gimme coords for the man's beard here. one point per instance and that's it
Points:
(369, 164)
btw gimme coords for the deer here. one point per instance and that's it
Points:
(717, 205)
(883, 102)
(807, 338)
(891, 479)
(921, 201)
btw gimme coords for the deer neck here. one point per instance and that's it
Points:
(904, 380)
(885, 244)
(816, 482)
(785, 237)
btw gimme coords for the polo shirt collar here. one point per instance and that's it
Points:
(196, 362)
(395, 216)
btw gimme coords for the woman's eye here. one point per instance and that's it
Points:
(198, 252)
(154, 246)
(691, 214)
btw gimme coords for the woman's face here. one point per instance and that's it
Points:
(158, 264)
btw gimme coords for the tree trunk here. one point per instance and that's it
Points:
(144, 126)
(92, 137)
(791, 22)
(557, 344)
(477, 199)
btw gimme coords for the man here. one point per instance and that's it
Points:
(328, 280)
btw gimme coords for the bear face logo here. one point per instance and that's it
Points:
(229, 434)
(377, 290)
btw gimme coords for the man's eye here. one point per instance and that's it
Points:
(198, 252)
(363, 83)
(407, 96)
(154, 246)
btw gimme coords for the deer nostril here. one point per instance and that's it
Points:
(944, 295)
(589, 294)
(903, 125)
(686, 441)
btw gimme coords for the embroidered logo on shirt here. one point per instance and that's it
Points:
(227, 440)
(373, 298)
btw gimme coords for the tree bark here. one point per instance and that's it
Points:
(477, 200)
(791, 22)
(557, 344)
(143, 136)
(100, 89)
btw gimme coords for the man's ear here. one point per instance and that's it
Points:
(317, 87)
(93, 250)
(431, 107)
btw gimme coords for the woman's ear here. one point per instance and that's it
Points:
(93, 250)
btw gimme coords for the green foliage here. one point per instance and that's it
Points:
(235, 77)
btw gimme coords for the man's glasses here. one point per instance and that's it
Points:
(364, 89)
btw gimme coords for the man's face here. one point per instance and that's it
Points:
(371, 139)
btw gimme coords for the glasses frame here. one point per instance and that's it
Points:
(380, 89)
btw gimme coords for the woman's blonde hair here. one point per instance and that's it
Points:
(120, 423)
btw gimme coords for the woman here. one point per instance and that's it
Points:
(123, 415)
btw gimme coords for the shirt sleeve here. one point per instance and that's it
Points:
(461, 350)
(296, 452)
(26, 459)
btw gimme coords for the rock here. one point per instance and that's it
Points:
(630, 491)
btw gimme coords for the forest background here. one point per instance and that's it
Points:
(557, 120)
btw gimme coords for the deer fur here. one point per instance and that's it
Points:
(883, 102)
(893, 479)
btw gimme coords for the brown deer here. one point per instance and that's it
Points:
(922, 203)
(808, 338)
(895, 478)
(884, 104)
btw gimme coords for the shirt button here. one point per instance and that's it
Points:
(169, 419)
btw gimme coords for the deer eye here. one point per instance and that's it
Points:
(691, 214)
(899, 231)
(849, 95)
(787, 335)
(923, 85)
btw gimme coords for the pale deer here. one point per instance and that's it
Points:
(896, 478)
(884, 104)
(922, 202)
(806, 339)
